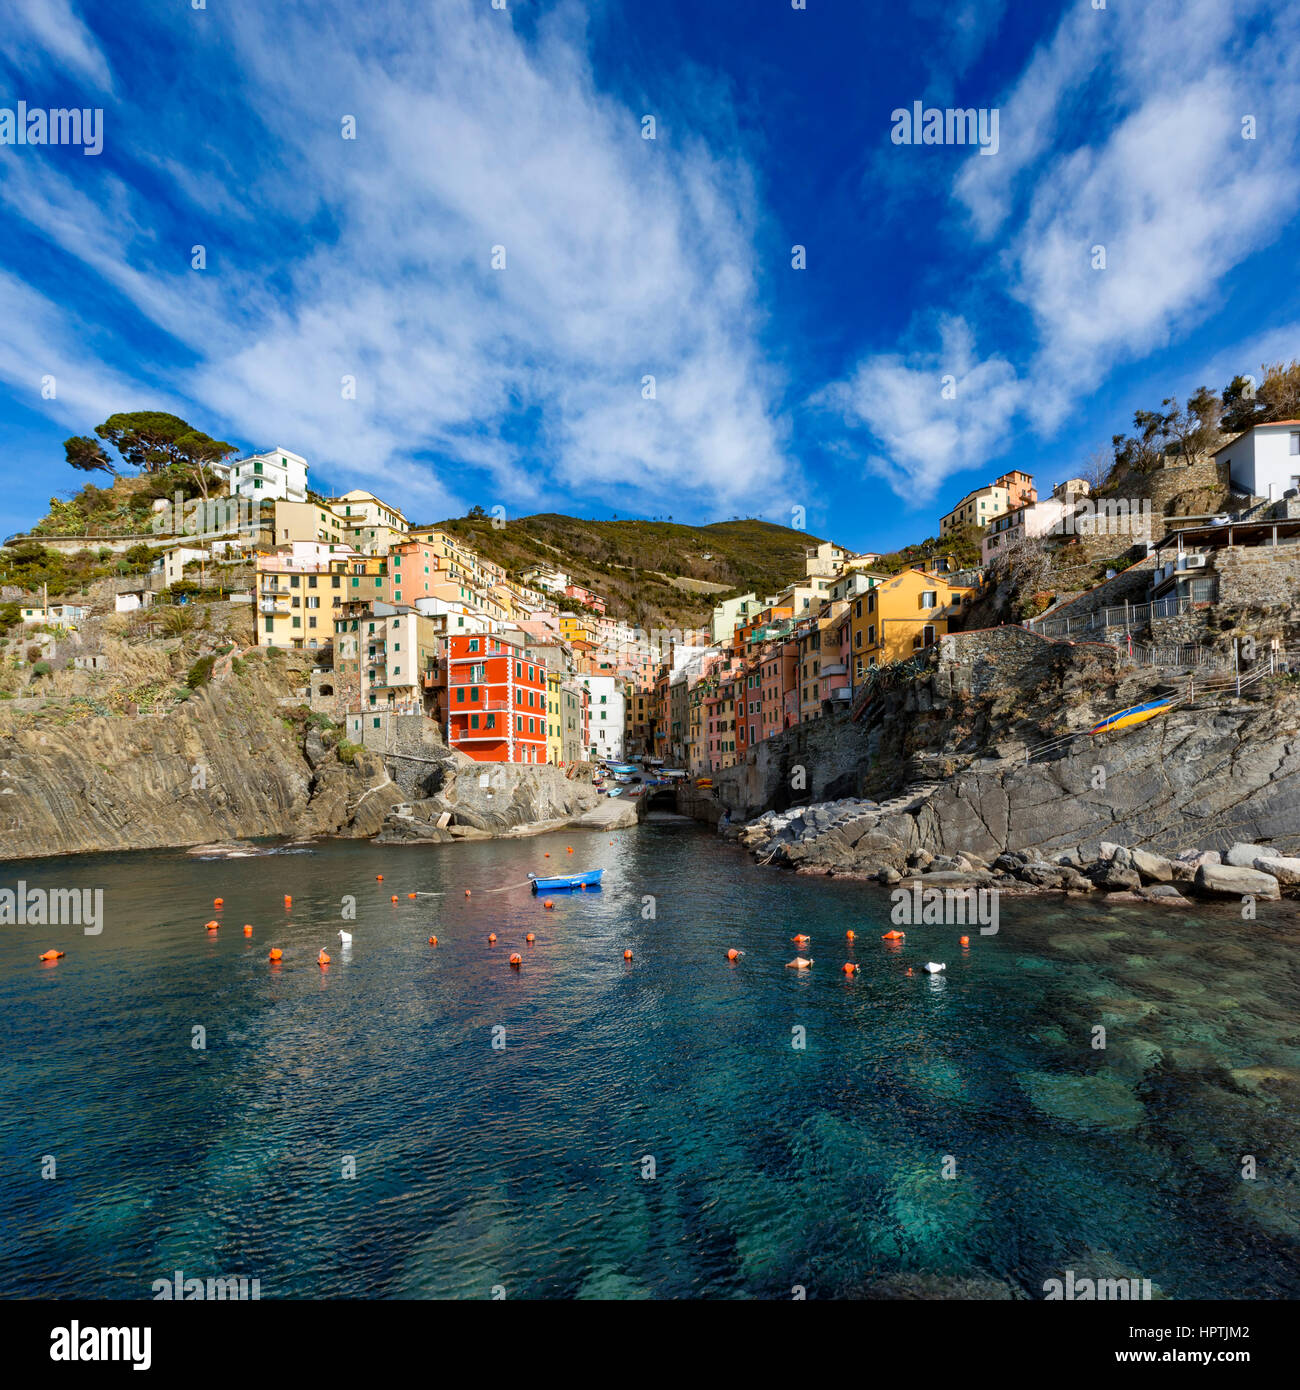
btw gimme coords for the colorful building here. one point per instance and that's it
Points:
(496, 700)
(906, 614)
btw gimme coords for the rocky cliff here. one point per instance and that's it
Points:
(232, 762)
(953, 758)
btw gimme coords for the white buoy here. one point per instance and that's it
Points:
(932, 968)
(345, 937)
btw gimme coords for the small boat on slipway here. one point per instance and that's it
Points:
(1135, 714)
(590, 879)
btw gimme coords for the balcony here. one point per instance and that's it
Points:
(483, 707)
(836, 670)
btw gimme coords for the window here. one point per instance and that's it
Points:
(491, 721)
(1295, 441)
(928, 598)
(472, 645)
(460, 694)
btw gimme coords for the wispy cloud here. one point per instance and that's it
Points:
(392, 346)
(1115, 212)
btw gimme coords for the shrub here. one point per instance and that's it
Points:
(42, 668)
(200, 673)
(347, 751)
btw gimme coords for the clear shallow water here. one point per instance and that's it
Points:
(522, 1167)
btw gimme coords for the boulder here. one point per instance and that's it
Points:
(1113, 877)
(1042, 875)
(1229, 881)
(1243, 856)
(1285, 870)
(1154, 868)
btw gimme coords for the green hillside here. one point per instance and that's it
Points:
(634, 563)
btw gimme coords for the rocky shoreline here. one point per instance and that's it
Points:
(868, 840)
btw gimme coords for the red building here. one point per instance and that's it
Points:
(496, 700)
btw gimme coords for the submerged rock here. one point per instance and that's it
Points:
(1085, 1102)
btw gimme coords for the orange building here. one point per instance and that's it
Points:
(496, 700)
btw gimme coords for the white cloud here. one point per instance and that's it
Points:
(1149, 165)
(927, 434)
(48, 33)
(624, 258)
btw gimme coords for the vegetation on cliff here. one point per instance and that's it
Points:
(654, 573)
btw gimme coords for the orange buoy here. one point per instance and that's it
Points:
(218, 902)
(492, 938)
(516, 960)
(627, 955)
(893, 936)
(848, 967)
(410, 895)
(379, 878)
(734, 954)
(569, 849)
(467, 892)
(393, 898)
(248, 930)
(275, 953)
(965, 940)
(288, 901)
(909, 972)
(323, 958)
(548, 854)
(433, 941)
(800, 940)
(212, 926)
(849, 935)
(53, 955)
(530, 938)
(548, 904)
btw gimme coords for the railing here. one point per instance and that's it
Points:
(1129, 615)
(484, 706)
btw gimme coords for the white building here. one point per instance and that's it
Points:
(605, 710)
(275, 474)
(730, 612)
(362, 509)
(551, 580)
(1265, 460)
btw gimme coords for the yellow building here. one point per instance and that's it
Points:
(363, 508)
(574, 627)
(904, 615)
(299, 596)
(310, 521)
(986, 504)
(554, 718)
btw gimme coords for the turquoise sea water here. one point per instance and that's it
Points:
(523, 1168)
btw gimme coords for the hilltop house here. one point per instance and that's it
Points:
(985, 504)
(266, 476)
(1265, 460)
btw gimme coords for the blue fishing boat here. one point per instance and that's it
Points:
(591, 879)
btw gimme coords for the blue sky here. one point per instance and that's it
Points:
(775, 387)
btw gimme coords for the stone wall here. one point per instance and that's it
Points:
(1263, 576)
(817, 761)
